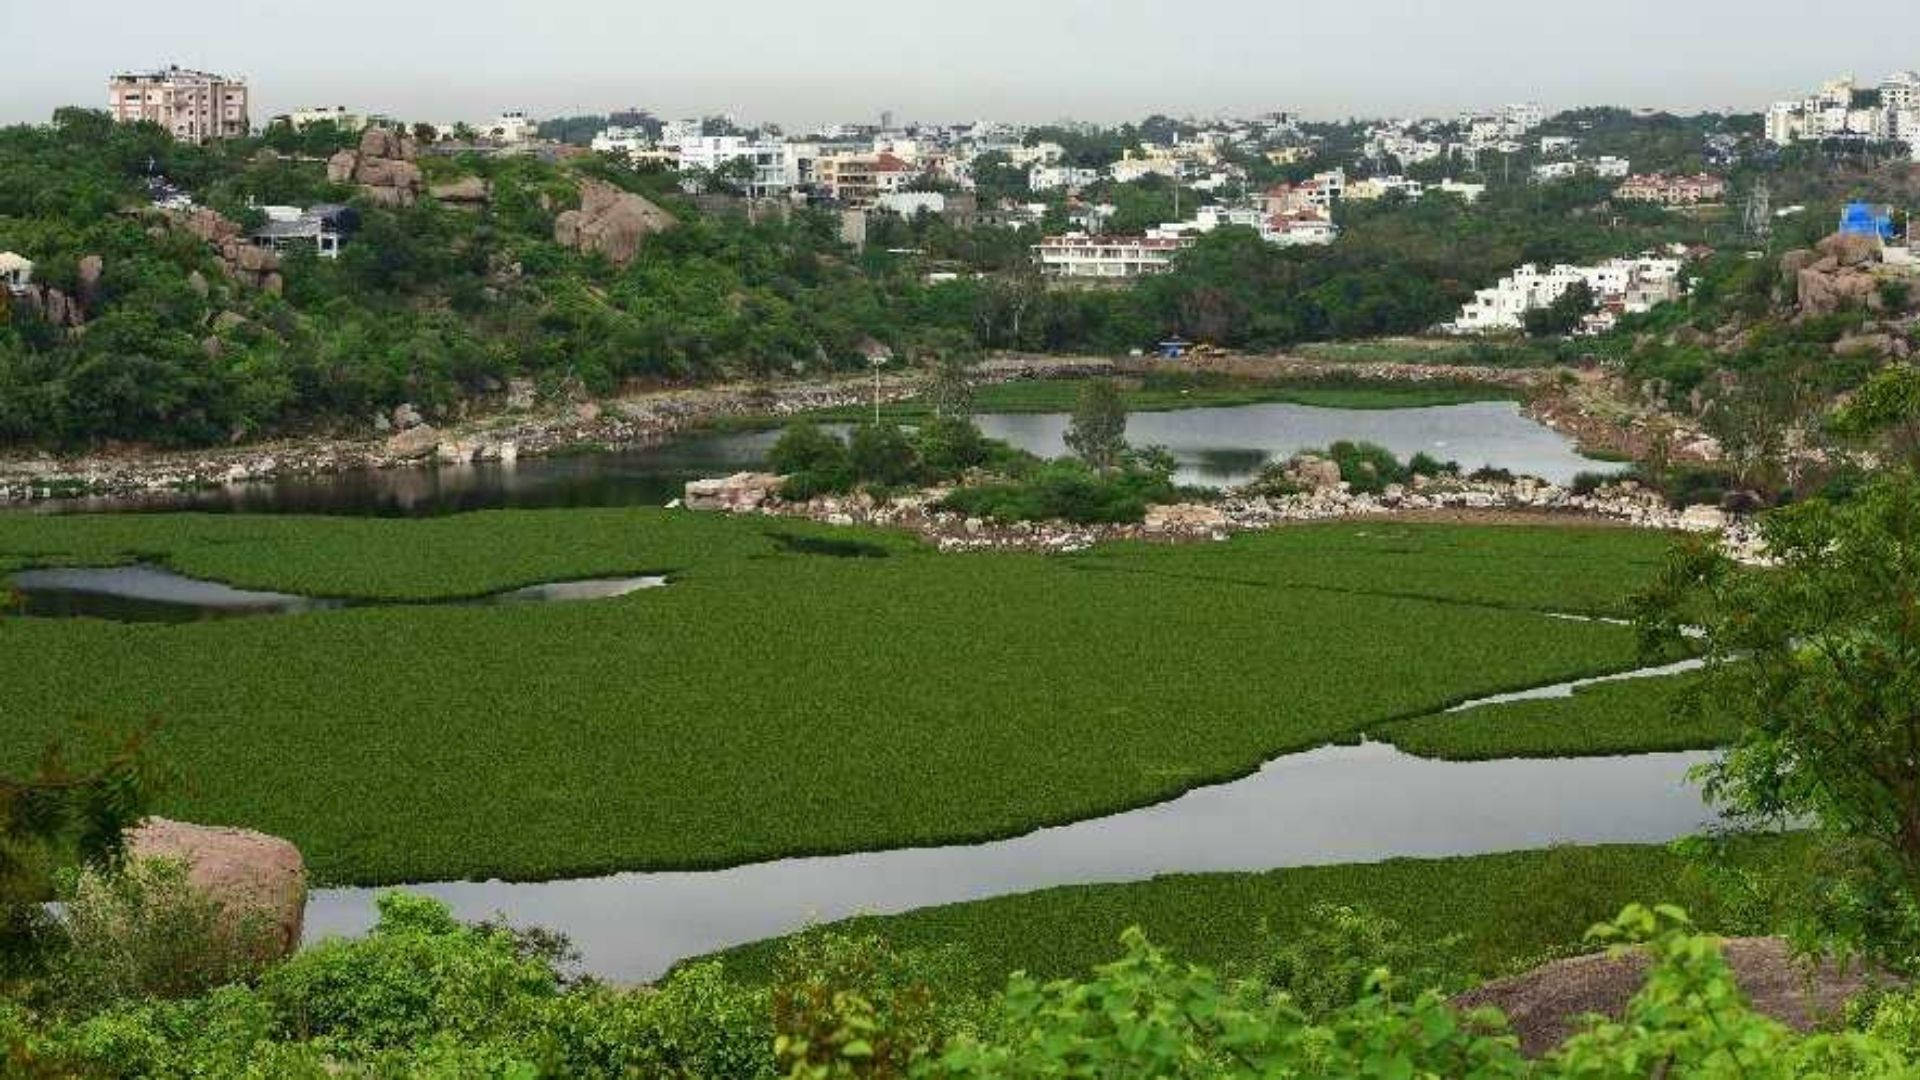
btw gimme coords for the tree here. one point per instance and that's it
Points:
(1098, 430)
(1818, 660)
(951, 358)
(1563, 315)
(1755, 418)
(1886, 409)
(57, 817)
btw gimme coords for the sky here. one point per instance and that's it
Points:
(806, 62)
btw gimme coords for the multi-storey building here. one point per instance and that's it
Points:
(710, 153)
(1672, 190)
(193, 106)
(1619, 286)
(1079, 255)
(858, 180)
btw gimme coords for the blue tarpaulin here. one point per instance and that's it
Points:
(1866, 219)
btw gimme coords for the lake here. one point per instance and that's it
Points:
(1214, 447)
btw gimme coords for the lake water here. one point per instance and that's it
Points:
(1337, 804)
(143, 593)
(1215, 447)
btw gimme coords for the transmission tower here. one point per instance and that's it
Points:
(1759, 215)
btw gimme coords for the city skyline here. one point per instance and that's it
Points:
(1029, 63)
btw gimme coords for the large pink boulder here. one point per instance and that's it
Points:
(242, 870)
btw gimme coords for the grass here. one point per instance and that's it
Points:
(1169, 392)
(1632, 716)
(771, 701)
(1425, 351)
(1514, 909)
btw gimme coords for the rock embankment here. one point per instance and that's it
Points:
(1626, 503)
(522, 427)
(1546, 1005)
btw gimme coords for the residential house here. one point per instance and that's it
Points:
(1060, 177)
(325, 227)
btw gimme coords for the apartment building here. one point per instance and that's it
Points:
(1672, 190)
(1620, 286)
(1112, 258)
(1840, 110)
(709, 153)
(194, 106)
(339, 116)
(1379, 187)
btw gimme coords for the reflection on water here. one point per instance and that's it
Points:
(1332, 805)
(143, 593)
(1218, 447)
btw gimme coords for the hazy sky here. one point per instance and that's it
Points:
(807, 61)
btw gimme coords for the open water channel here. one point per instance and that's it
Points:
(1335, 804)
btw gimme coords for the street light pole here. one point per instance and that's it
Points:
(877, 362)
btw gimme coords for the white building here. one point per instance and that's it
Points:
(16, 272)
(510, 127)
(1469, 193)
(1209, 218)
(1043, 153)
(1060, 177)
(910, 203)
(710, 153)
(1082, 256)
(621, 140)
(1830, 113)
(324, 227)
(338, 115)
(1130, 169)
(1620, 286)
(1379, 187)
(1558, 145)
(1612, 168)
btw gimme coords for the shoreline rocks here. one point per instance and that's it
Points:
(1626, 504)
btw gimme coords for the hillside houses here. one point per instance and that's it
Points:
(1620, 287)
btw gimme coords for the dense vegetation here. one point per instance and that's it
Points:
(1631, 716)
(696, 680)
(439, 306)
(1510, 910)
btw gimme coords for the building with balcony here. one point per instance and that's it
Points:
(1088, 257)
(194, 106)
(1672, 190)
(325, 227)
(1619, 286)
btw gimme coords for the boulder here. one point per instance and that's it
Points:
(1823, 293)
(520, 395)
(198, 283)
(610, 221)
(1312, 472)
(1795, 261)
(1184, 517)
(415, 442)
(91, 267)
(468, 191)
(1545, 1005)
(739, 492)
(1703, 518)
(406, 415)
(245, 872)
(1883, 346)
(1851, 249)
(341, 165)
(380, 142)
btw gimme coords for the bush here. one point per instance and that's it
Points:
(1425, 464)
(1327, 962)
(1367, 467)
(814, 461)
(1069, 490)
(882, 454)
(950, 446)
(141, 930)
(857, 1007)
(1587, 483)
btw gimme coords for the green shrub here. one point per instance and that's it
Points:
(1586, 483)
(1067, 490)
(814, 461)
(950, 446)
(1327, 963)
(846, 1007)
(882, 454)
(141, 930)
(420, 972)
(1425, 464)
(1367, 467)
